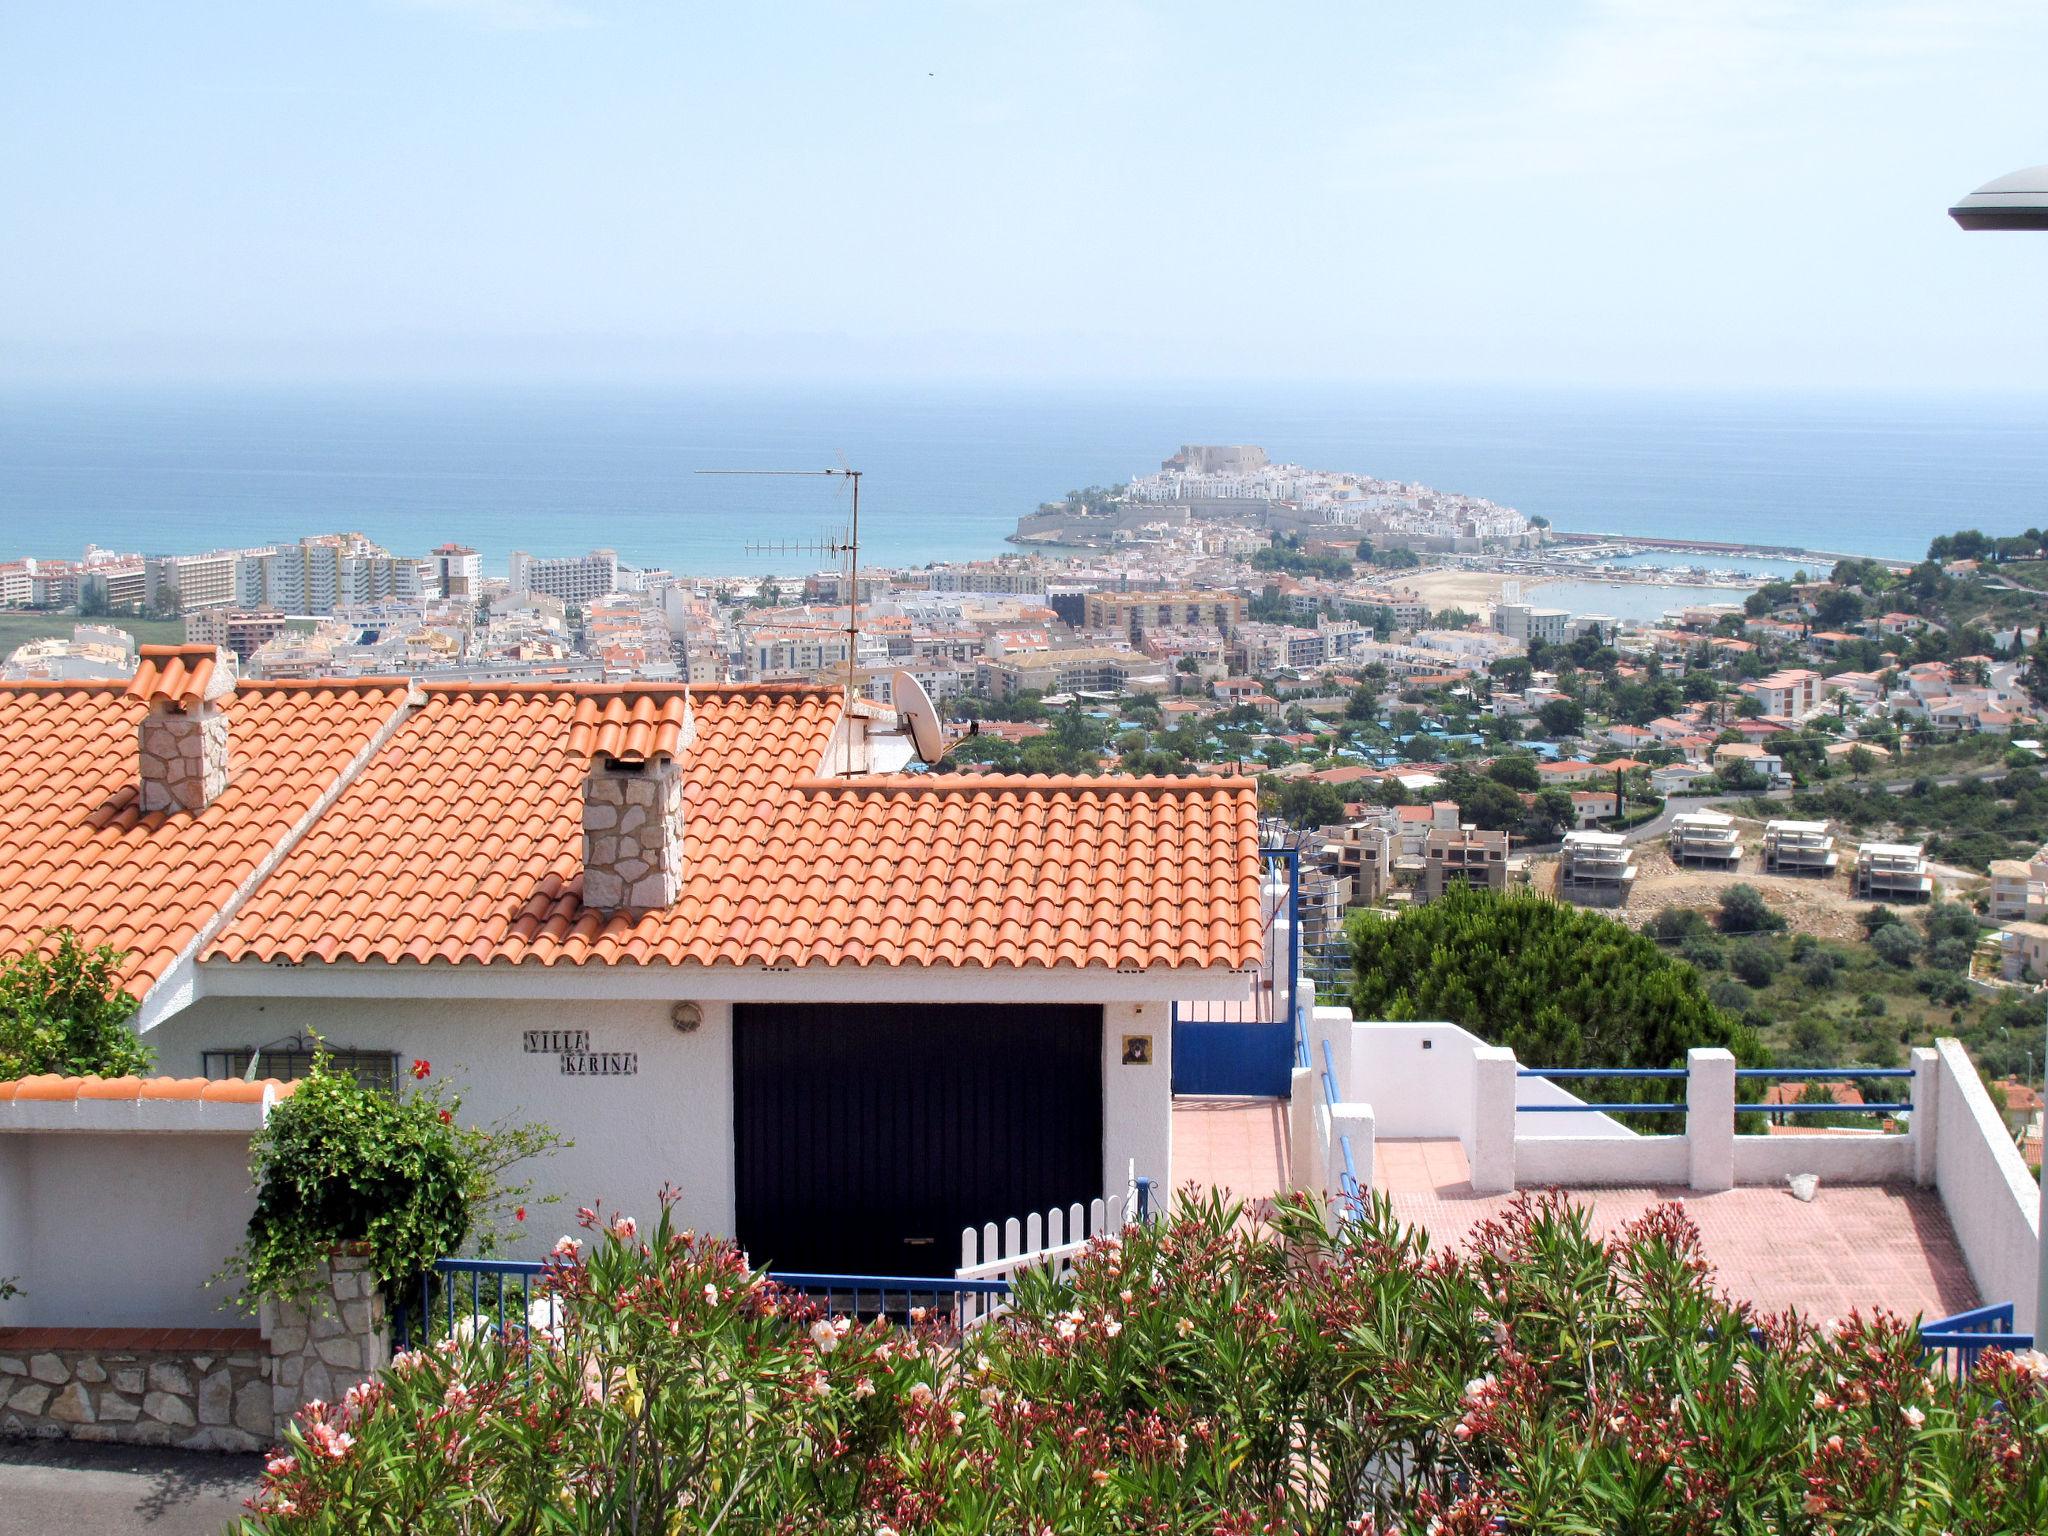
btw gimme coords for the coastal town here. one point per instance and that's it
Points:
(1190, 810)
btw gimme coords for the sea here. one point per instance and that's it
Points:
(947, 470)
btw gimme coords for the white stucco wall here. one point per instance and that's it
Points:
(1137, 1102)
(1597, 1160)
(671, 1122)
(1991, 1198)
(1845, 1157)
(122, 1229)
(1418, 1079)
(13, 1223)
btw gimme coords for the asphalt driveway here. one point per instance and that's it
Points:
(63, 1488)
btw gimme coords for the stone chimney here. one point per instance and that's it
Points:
(182, 743)
(633, 797)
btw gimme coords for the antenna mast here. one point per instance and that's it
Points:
(849, 547)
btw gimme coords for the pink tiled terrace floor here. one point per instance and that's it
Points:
(1856, 1246)
(1235, 1144)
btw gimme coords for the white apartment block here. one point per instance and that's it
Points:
(1789, 695)
(1705, 840)
(458, 571)
(181, 583)
(1520, 621)
(572, 578)
(1892, 872)
(1800, 848)
(1597, 869)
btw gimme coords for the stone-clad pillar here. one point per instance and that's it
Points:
(333, 1340)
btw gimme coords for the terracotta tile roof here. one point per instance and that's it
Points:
(49, 1088)
(461, 841)
(180, 675)
(75, 850)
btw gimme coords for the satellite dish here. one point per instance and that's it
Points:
(914, 709)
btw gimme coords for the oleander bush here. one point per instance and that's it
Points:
(1200, 1374)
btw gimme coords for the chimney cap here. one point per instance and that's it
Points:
(636, 727)
(182, 676)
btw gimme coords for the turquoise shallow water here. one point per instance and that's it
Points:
(950, 469)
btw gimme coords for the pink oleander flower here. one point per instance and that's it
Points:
(567, 1248)
(625, 1228)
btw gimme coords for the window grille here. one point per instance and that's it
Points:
(294, 1058)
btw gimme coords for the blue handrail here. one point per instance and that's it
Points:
(1599, 1109)
(1657, 1072)
(1824, 1109)
(1835, 1073)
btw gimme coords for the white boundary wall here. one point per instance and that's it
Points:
(1993, 1202)
(116, 1213)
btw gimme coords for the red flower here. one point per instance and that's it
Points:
(519, 1214)
(420, 1069)
(447, 1118)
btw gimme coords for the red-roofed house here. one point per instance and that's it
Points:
(687, 927)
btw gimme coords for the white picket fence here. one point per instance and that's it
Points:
(1051, 1240)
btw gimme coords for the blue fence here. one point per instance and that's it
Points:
(1247, 1048)
(503, 1294)
(1742, 1074)
(1956, 1342)
(1655, 1074)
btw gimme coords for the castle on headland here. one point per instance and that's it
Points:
(1239, 483)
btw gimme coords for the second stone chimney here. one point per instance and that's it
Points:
(182, 743)
(633, 743)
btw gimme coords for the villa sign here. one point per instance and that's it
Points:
(572, 1048)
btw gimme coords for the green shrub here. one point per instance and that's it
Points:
(337, 1163)
(1894, 944)
(1200, 1375)
(1754, 964)
(1744, 910)
(66, 1011)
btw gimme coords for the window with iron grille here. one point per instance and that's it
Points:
(293, 1057)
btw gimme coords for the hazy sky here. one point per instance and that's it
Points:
(1680, 192)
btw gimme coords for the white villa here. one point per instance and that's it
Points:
(719, 937)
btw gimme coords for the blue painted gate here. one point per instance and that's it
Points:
(1249, 1049)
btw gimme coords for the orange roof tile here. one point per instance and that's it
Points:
(75, 850)
(631, 727)
(180, 675)
(461, 841)
(54, 1089)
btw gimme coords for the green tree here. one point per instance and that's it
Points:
(1563, 717)
(63, 1009)
(1560, 986)
(1517, 770)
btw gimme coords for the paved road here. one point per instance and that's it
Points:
(59, 1488)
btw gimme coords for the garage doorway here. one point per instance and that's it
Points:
(867, 1135)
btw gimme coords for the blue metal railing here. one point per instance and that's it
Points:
(1823, 1075)
(1241, 1047)
(1960, 1339)
(1663, 1074)
(500, 1293)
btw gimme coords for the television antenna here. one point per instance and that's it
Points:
(847, 548)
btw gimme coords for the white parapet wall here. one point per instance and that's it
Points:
(1992, 1200)
(120, 1199)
